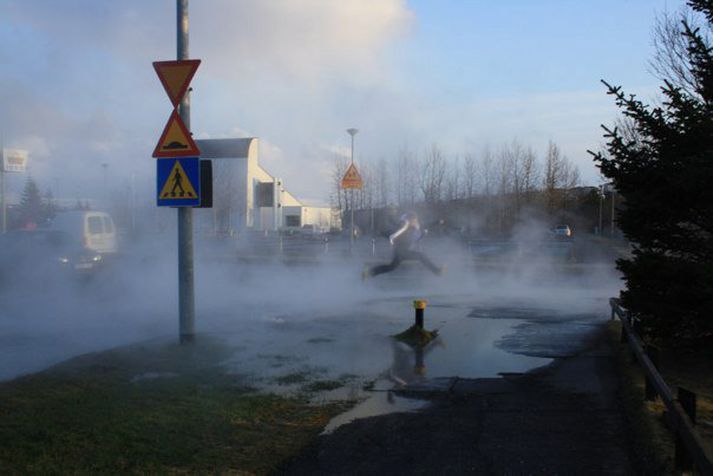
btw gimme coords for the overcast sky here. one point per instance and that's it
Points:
(77, 88)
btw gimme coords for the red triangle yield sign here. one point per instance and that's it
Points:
(175, 140)
(176, 76)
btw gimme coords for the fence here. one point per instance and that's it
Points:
(690, 449)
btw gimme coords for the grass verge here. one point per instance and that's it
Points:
(152, 408)
(649, 438)
(652, 440)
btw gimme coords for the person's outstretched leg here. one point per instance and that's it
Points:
(416, 255)
(386, 268)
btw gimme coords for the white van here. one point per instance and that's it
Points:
(94, 230)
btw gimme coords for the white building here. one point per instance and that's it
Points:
(246, 196)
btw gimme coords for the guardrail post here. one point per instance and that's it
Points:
(373, 247)
(622, 339)
(636, 325)
(654, 354)
(326, 245)
(681, 460)
(691, 451)
(688, 401)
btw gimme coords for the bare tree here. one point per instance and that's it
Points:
(453, 180)
(338, 195)
(382, 184)
(487, 172)
(470, 171)
(433, 171)
(671, 61)
(560, 176)
(406, 178)
(530, 172)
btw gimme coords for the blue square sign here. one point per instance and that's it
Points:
(178, 182)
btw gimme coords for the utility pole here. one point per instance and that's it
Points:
(601, 205)
(186, 292)
(613, 194)
(105, 166)
(2, 188)
(352, 132)
(2, 184)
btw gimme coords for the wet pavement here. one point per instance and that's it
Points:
(560, 419)
(509, 372)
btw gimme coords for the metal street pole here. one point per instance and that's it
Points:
(186, 293)
(2, 191)
(2, 185)
(601, 205)
(105, 166)
(352, 132)
(613, 194)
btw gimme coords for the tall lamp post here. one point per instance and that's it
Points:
(613, 209)
(105, 167)
(601, 206)
(352, 132)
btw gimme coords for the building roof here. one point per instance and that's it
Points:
(225, 148)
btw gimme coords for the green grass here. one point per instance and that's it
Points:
(292, 378)
(653, 441)
(87, 416)
(324, 385)
(649, 438)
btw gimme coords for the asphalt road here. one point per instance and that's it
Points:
(561, 419)
(320, 318)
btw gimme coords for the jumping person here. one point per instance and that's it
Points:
(403, 241)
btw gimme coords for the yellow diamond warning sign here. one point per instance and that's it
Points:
(177, 185)
(352, 179)
(176, 141)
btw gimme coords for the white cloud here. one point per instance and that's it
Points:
(274, 67)
(308, 41)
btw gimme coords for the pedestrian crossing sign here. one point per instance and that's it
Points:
(178, 182)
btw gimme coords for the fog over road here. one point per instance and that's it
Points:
(503, 319)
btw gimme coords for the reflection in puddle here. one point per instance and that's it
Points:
(352, 356)
(380, 403)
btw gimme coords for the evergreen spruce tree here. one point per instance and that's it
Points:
(665, 174)
(31, 209)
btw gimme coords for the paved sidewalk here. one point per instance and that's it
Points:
(562, 419)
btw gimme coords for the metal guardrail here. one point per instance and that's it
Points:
(691, 451)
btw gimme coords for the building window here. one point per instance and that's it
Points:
(292, 221)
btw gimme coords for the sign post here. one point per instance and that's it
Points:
(186, 291)
(178, 167)
(352, 180)
(11, 160)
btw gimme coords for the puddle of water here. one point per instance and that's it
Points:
(282, 356)
(380, 403)
(352, 353)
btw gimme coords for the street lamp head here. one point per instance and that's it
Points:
(352, 132)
